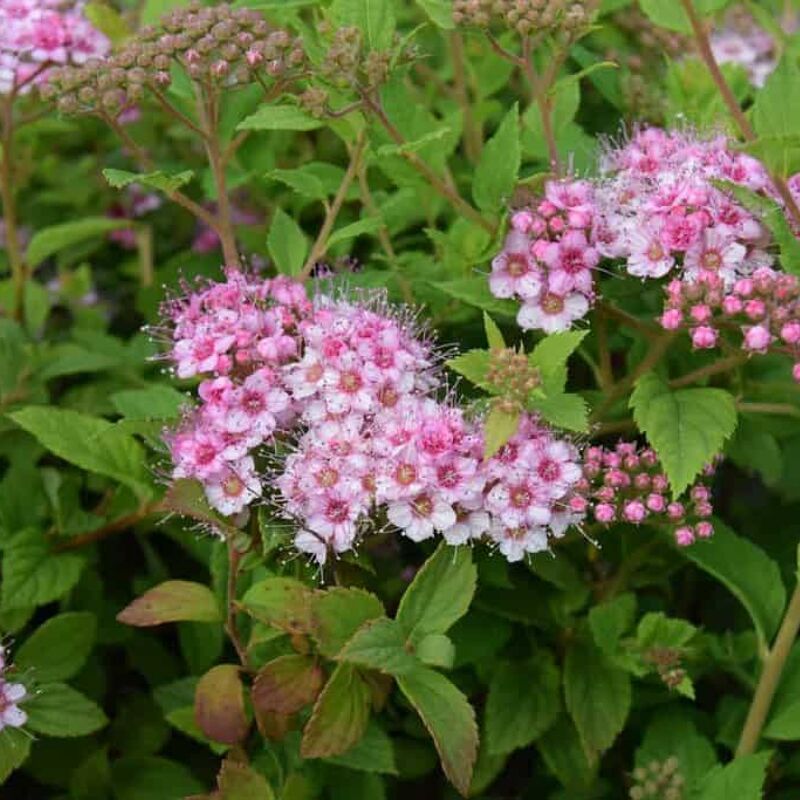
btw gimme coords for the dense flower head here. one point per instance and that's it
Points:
(11, 695)
(219, 45)
(352, 382)
(548, 258)
(627, 483)
(37, 35)
(526, 17)
(741, 41)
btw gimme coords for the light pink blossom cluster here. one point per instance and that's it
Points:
(237, 336)
(627, 484)
(11, 695)
(763, 309)
(747, 45)
(352, 381)
(660, 211)
(38, 34)
(548, 258)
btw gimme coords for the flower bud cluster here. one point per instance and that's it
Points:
(659, 780)
(763, 309)
(668, 664)
(11, 694)
(218, 44)
(37, 35)
(526, 17)
(628, 484)
(512, 373)
(548, 259)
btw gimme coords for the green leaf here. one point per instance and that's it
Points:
(155, 402)
(565, 100)
(609, 621)
(780, 154)
(449, 719)
(671, 735)
(58, 648)
(49, 241)
(440, 593)
(743, 778)
(597, 693)
(279, 118)
(550, 357)
(524, 700)
(436, 650)
(239, 781)
(567, 411)
(91, 443)
(499, 427)
(494, 335)
(33, 575)
(287, 684)
(687, 427)
(59, 710)
(120, 178)
(656, 629)
(670, 13)
(439, 11)
(283, 603)
(15, 745)
(473, 365)
(336, 614)
(187, 497)
(302, 180)
(496, 172)
(776, 112)
(475, 292)
(748, 572)
(380, 644)
(172, 601)
(149, 777)
(358, 228)
(756, 450)
(340, 715)
(287, 243)
(374, 18)
(219, 705)
(374, 752)
(107, 20)
(565, 756)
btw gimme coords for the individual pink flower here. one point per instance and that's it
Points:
(715, 252)
(757, 339)
(553, 312)
(421, 516)
(514, 270)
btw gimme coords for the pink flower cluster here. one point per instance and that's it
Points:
(38, 34)
(548, 258)
(747, 45)
(659, 210)
(764, 309)
(627, 484)
(237, 336)
(11, 694)
(354, 380)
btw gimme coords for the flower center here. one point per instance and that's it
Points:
(232, 486)
(405, 474)
(327, 477)
(712, 260)
(337, 511)
(350, 382)
(423, 506)
(552, 304)
(520, 497)
(517, 264)
(655, 252)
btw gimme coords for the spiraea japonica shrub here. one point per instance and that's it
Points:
(399, 398)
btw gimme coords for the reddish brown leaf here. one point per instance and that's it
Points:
(219, 705)
(274, 726)
(287, 684)
(239, 781)
(172, 601)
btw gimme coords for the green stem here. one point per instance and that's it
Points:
(473, 138)
(19, 271)
(774, 662)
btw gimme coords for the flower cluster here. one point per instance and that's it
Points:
(741, 41)
(548, 258)
(352, 380)
(236, 336)
(658, 208)
(659, 780)
(11, 694)
(219, 45)
(764, 308)
(627, 484)
(36, 35)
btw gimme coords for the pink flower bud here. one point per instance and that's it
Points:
(732, 305)
(790, 332)
(704, 530)
(675, 510)
(671, 319)
(642, 481)
(704, 337)
(757, 339)
(557, 225)
(522, 221)
(684, 536)
(700, 493)
(546, 209)
(755, 309)
(656, 502)
(660, 483)
(743, 287)
(796, 372)
(634, 511)
(700, 313)
(604, 513)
